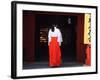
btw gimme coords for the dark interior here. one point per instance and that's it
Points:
(67, 25)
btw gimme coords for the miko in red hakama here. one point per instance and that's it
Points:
(54, 42)
(54, 53)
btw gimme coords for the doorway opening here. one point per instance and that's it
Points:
(67, 25)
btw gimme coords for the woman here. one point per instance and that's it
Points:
(54, 42)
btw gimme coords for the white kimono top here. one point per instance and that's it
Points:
(57, 34)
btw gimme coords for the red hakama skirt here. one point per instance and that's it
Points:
(54, 53)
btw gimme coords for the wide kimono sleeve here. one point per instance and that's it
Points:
(49, 37)
(59, 37)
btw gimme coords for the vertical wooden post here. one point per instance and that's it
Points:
(87, 38)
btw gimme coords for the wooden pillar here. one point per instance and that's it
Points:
(28, 36)
(87, 38)
(88, 55)
(80, 39)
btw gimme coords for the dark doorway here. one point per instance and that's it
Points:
(67, 25)
(69, 38)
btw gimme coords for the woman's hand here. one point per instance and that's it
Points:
(59, 43)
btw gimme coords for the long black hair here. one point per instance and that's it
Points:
(52, 27)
